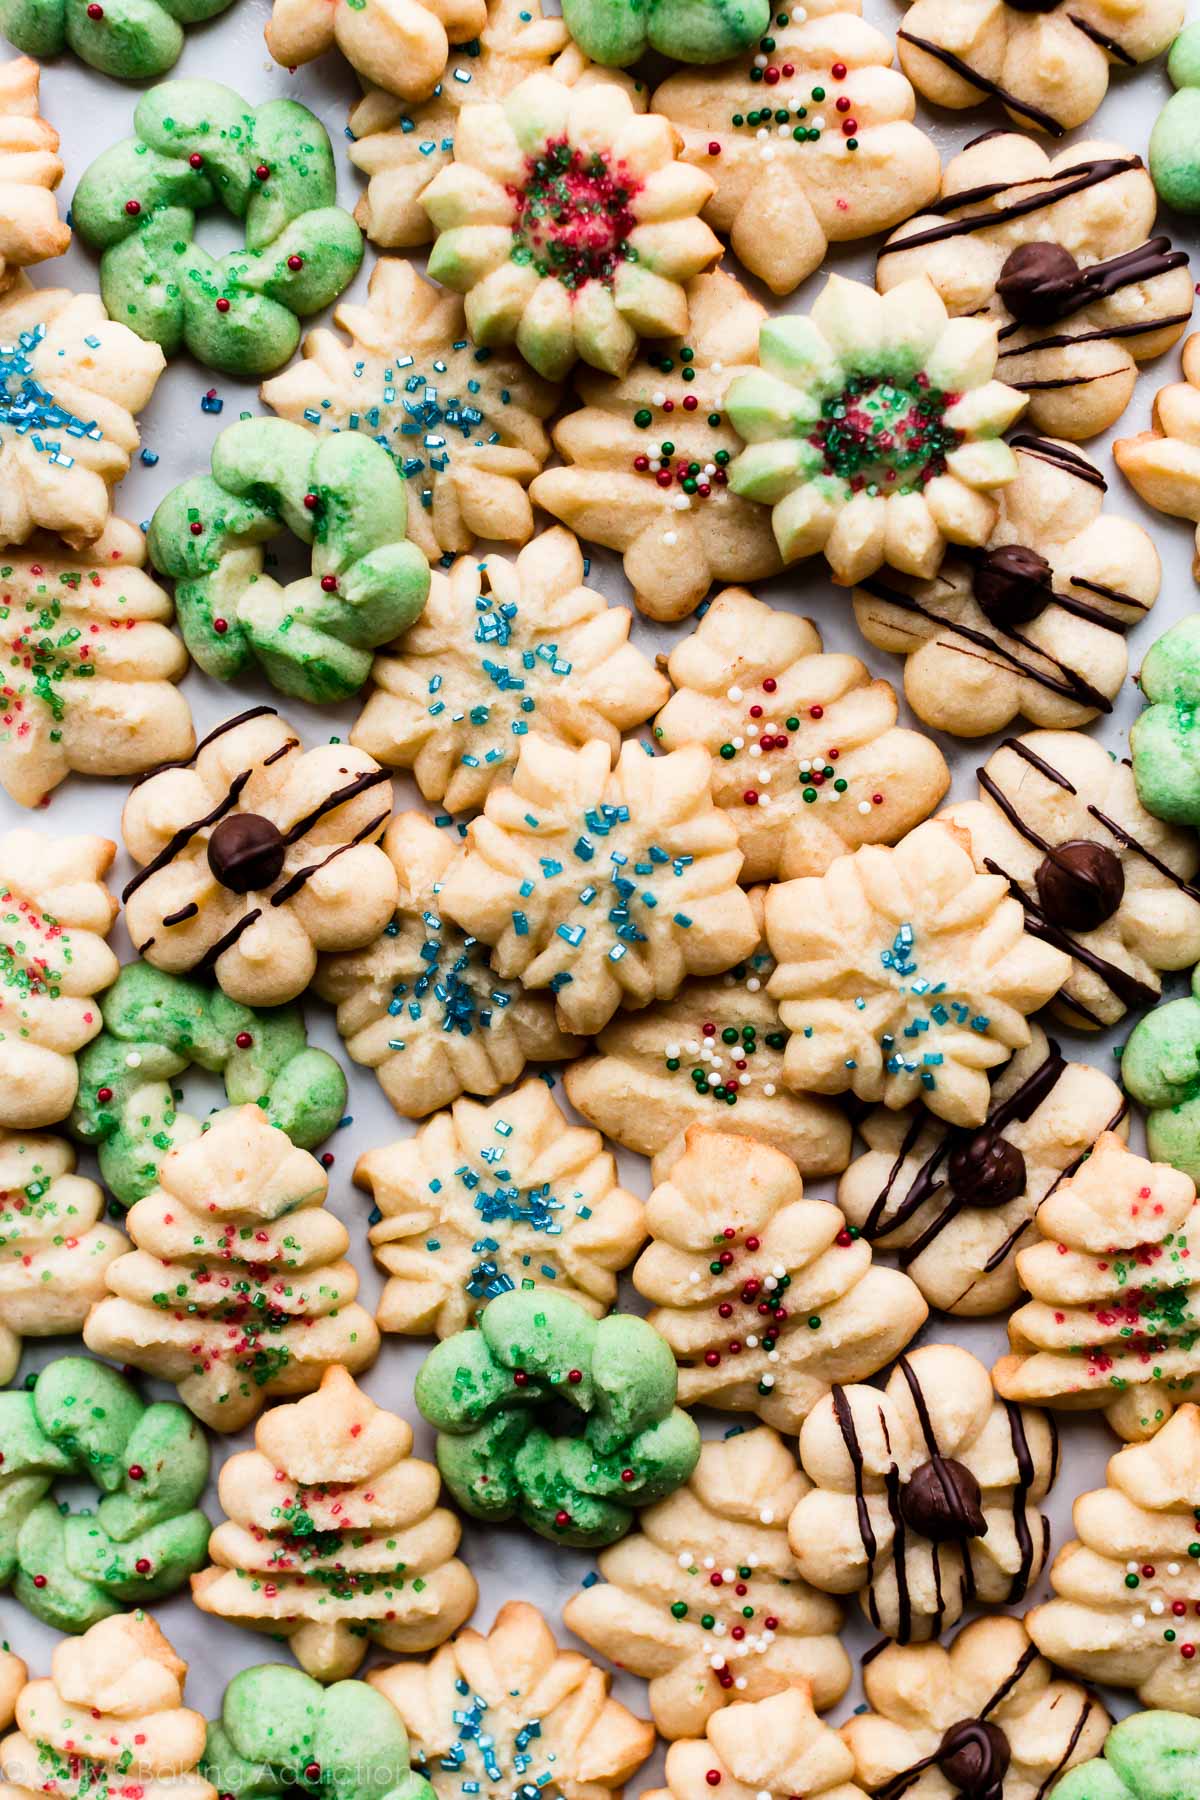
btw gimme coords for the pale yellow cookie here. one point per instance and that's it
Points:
(772, 1749)
(282, 1308)
(421, 1005)
(401, 46)
(660, 1587)
(333, 1539)
(924, 1495)
(808, 760)
(503, 649)
(13, 1676)
(1162, 465)
(55, 913)
(30, 171)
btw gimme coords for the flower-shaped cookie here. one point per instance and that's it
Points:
(1046, 61)
(511, 1713)
(569, 225)
(55, 1244)
(1061, 255)
(70, 384)
(808, 760)
(955, 1206)
(924, 1495)
(765, 1297)
(873, 429)
(718, 1044)
(109, 1717)
(664, 500)
(13, 1676)
(904, 975)
(254, 854)
(1035, 621)
(487, 1198)
(89, 682)
(987, 1715)
(773, 1749)
(421, 1005)
(809, 137)
(706, 1600)
(1166, 758)
(402, 46)
(30, 170)
(1147, 1753)
(55, 913)
(617, 33)
(1113, 1321)
(1060, 822)
(1160, 1069)
(502, 649)
(1127, 1586)
(463, 425)
(334, 1539)
(606, 885)
(1162, 465)
(243, 1202)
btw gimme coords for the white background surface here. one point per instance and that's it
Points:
(92, 112)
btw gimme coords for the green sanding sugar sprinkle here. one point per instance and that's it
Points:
(573, 215)
(886, 436)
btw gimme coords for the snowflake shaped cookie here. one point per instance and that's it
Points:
(30, 170)
(776, 1749)
(1162, 465)
(809, 138)
(924, 1495)
(1099, 877)
(808, 760)
(1061, 254)
(502, 649)
(70, 384)
(464, 425)
(608, 885)
(486, 1198)
(646, 459)
(1035, 622)
(904, 974)
(401, 46)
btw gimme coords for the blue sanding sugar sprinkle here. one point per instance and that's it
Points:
(28, 409)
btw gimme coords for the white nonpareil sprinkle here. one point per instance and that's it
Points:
(685, 1559)
(734, 693)
(694, 1278)
(756, 750)
(658, 396)
(1157, 1607)
(864, 806)
(767, 1516)
(1138, 1620)
(134, 1060)
(752, 1560)
(1172, 1568)
(769, 1089)
(760, 61)
(753, 985)
(670, 537)
(739, 1681)
(728, 1574)
(672, 1050)
(710, 1562)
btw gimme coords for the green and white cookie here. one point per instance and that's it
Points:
(1175, 140)
(1160, 1068)
(1164, 741)
(618, 32)
(1149, 1756)
(132, 39)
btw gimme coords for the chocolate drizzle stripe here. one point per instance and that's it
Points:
(209, 959)
(339, 797)
(1075, 180)
(1139, 849)
(985, 84)
(1107, 593)
(1131, 992)
(1063, 340)
(1025, 1475)
(1063, 381)
(186, 833)
(185, 912)
(289, 744)
(295, 882)
(1069, 461)
(1024, 1662)
(844, 1415)
(904, 1778)
(1110, 45)
(1085, 1713)
(185, 762)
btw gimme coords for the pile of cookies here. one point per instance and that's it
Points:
(675, 919)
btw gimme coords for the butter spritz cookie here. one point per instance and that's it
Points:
(333, 1539)
(483, 1199)
(645, 459)
(873, 429)
(772, 1749)
(833, 154)
(504, 648)
(109, 1716)
(608, 885)
(71, 384)
(1061, 254)
(1112, 1320)
(924, 1494)
(954, 1206)
(808, 759)
(401, 46)
(1046, 61)
(82, 1421)
(134, 40)
(986, 1714)
(238, 1288)
(421, 1005)
(30, 171)
(1154, 1753)
(1160, 1069)
(13, 1676)
(569, 225)
(1173, 162)
(494, 1395)
(1098, 876)
(1162, 465)
(511, 1712)
(464, 426)
(90, 687)
(906, 975)
(1125, 1586)
(128, 1108)
(764, 1297)
(55, 913)
(254, 854)
(711, 1056)
(196, 145)
(1034, 622)
(55, 1243)
(345, 498)
(705, 1643)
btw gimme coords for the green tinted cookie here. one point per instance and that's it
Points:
(618, 32)
(1175, 140)
(1149, 1756)
(1164, 740)
(1160, 1069)
(135, 39)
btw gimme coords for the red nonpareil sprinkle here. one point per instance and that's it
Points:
(769, 684)
(849, 127)
(750, 797)
(520, 1378)
(243, 1040)
(752, 1243)
(136, 1472)
(220, 626)
(668, 406)
(789, 69)
(771, 1623)
(729, 1234)
(562, 1518)
(222, 304)
(876, 799)
(712, 1358)
(574, 1376)
(714, 149)
(327, 1159)
(39, 1581)
(329, 584)
(94, 11)
(311, 502)
(312, 1772)
(1187, 1651)
(261, 173)
(295, 262)
(664, 478)
(641, 463)
(713, 1778)
(725, 1310)
(842, 103)
(690, 403)
(104, 1095)
(143, 1565)
(771, 76)
(756, 712)
(133, 208)
(626, 1474)
(195, 160)
(838, 71)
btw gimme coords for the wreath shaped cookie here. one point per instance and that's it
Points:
(492, 1395)
(131, 39)
(342, 495)
(809, 137)
(157, 1025)
(198, 144)
(1147, 1753)
(30, 170)
(1160, 1069)
(401, 46)
(80, 1419)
